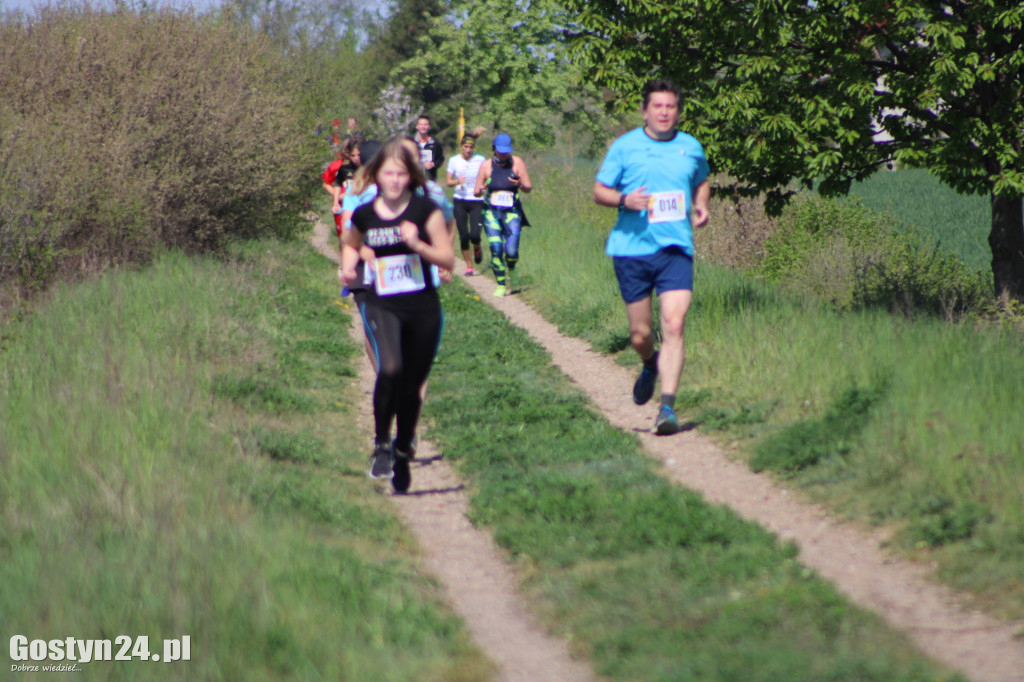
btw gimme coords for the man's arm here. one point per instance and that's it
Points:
(611, 197)
(701, 197)
(438, 154)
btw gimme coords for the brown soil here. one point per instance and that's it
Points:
(482, 585)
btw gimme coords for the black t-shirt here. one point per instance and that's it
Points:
(385, 238)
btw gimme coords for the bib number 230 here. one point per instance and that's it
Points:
(399, 274)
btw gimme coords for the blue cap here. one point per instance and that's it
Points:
(503, 144)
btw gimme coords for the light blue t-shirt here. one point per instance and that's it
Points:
(672, 170)
(432, 190)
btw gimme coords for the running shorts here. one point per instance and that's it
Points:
(669, 269)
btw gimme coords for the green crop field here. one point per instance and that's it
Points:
(959, 223)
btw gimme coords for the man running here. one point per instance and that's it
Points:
(431, 155)
(657, 178)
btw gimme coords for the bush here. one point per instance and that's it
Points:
(737, 229)
(854, 258)
(122, 130)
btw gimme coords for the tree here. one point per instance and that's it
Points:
(398, 37)
(324, 42)
(798, 91)
(505, 63)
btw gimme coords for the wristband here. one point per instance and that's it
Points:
(622, 200)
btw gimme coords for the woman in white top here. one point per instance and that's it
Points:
(462, 172)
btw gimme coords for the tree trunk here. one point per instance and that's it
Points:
(1007, 242)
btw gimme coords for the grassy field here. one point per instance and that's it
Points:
(910, 423)
(177, 458)
(644, 577)
(960, 223)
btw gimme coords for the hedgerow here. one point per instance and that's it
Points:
(122, 131)
(855, 258)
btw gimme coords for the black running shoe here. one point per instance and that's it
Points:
(478, 254)
(401, 479)
(643, 389)
(381, 461)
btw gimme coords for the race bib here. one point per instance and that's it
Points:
(426, 156)
(398, 274)
(503, 199)
(666, 207)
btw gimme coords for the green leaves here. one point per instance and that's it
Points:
(786, 91)
(507, 65)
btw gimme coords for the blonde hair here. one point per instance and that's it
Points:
(360, 181)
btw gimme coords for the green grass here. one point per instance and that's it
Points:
(177, 458)
(959, 223)
(181, 465)
(938, 453)
(149, 488)
(644, 577)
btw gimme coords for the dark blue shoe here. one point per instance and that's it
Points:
(643, 389)
(401, 478)
(666, 423)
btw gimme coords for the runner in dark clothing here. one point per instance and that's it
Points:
(401, 312)
(431, 154)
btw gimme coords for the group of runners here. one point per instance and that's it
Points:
(396, 227)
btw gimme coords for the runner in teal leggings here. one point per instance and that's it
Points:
(503, 178)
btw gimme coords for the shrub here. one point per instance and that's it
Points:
(737, 230)
(123, 130)
(854, 258)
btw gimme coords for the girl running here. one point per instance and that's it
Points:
(401, 312)
(462, 171)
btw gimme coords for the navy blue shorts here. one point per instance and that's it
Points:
(670, 269)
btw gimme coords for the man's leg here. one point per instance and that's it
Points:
(674, 305)
(642, 337)
(640, 317)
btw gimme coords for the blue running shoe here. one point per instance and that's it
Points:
(643, 389)
(666, 424)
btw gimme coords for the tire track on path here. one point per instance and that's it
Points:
(479, 584)
(982, 648)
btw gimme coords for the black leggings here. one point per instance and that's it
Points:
(469, 219)
(405, 343)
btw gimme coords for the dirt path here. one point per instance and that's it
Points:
(476, 577)
(480, 584)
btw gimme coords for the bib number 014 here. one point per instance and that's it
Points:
(666, 207)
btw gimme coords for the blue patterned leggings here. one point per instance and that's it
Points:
(503, 227)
